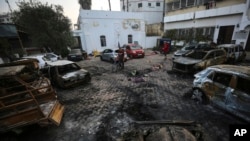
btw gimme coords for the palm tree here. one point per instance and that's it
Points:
(85, 4)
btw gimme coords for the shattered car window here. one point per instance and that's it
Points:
(222, 78)
(188, 47)
(67, 68)
(197, 55)
(243, 85)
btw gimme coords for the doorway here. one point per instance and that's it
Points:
(225, 35)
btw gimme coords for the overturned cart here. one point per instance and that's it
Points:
(26, 98)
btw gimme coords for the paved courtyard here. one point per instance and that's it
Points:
(146, 90)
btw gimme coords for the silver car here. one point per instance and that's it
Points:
(225, 86)
(111, 54)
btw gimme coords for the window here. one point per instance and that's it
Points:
(222, 78)
(103, 40)
(149, 4)
(130, 39)
(243, 85)
(158, 4)
(139, 5)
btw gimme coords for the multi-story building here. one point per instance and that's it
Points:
(151, 9)
(220, 21)
(5, 18)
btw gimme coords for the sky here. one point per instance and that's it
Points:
(70, 7)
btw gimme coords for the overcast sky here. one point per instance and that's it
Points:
(70, 7)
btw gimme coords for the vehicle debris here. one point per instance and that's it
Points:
(26, 97)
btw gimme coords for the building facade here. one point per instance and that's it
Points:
(152, 9)
(99, 30)
(221, 21)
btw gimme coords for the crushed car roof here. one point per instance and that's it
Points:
(60, 63)
(234, 68)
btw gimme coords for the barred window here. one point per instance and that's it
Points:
(130, 38)
(103, 41)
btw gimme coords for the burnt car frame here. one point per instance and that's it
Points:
(235, 52)
(198, 60)
(65, 73)
(226, 86)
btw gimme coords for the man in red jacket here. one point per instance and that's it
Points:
(165, 48)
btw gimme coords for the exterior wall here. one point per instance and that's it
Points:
(151, 41)
(152, 12)
(115, 26)
(224, 13)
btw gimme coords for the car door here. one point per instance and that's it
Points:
(239, 97)
(106, 54)
(219, 86)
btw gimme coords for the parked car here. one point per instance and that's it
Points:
(65, 73)
(42, 58)
(202, 46)
(199, 60)
(110, 55)
(134, 51)
(226, 86)
(235, 52)
(76, 55)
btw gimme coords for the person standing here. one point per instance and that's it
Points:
(121, 57)
(165, 48)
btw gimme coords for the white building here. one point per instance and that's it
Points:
(223, 21)
(99, 30)
(152, 9)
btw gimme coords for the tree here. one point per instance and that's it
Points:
(85, 4)
(45, 24)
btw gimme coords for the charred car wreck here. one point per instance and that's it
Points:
(65, 74)
(226, 86)
(199, 60)
(26, 97)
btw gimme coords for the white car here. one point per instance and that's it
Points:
(43, 59)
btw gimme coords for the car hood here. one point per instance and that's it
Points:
(186, 60)
(181, 52)
(79, 74)
(72, 54)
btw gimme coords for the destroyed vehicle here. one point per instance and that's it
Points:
(26, 97)
(235, 52)
(190, 47)
(65, 73)
(199, 60)
(226, 86)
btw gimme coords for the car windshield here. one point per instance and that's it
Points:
(136, 47)
(197, 55)
(75, 51)
(49, 56)
(188, 47)
(68, 68)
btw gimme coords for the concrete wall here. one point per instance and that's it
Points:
(151, 41)
(115, 26)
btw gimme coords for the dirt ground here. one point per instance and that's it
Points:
(109, 108)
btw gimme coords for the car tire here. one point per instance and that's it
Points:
(101, 58)
(199, 96)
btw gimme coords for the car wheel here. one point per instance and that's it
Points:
(199, 96)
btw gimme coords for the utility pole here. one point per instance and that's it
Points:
(109, 5)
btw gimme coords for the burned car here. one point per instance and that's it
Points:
(190, 47)
(65, 73)
(199, 60)
(235, 52)
(226, 86)
(26, 97)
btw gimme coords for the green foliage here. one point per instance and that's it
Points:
(45, 24)
(85, 4)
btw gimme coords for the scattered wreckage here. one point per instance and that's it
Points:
(199, 60)
(26, 97)
(235, 52)
(65, 73)
(226, 86)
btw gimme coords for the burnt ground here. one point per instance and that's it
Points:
(146, 90)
